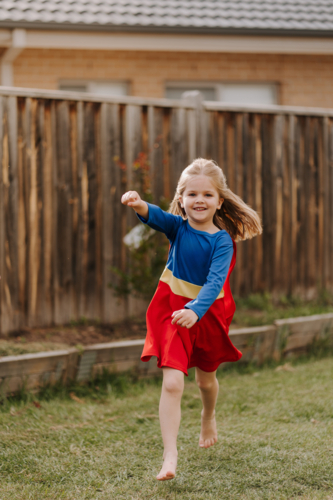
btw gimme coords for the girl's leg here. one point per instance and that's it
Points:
(172, 390)
(209, 388)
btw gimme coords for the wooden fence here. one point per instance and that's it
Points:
(66, 158)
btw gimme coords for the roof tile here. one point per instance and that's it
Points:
(198, 15)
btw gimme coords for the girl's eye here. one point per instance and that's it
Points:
(208, 195)
(192, 194)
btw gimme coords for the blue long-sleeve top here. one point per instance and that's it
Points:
(195, 257)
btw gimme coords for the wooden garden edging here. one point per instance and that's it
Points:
(258, 344)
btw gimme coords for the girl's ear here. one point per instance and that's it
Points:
(180, 199)
(221, 203)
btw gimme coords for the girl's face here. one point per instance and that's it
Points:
(200, 200)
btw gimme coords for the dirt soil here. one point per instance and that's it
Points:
(82, 333)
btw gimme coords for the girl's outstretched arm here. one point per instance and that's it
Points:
(132, 199)
(153, 215)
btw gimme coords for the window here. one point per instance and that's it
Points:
(95, 87)
(209, 93)
(243, 93)
(235, 93)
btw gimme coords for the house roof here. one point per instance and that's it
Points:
(303, 17)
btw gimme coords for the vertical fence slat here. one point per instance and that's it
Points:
(133, 146)
(4, 328)
(299, 167)
(150, 142)
(106, 186)
(258, 279)
(32, 214)
(98, 216)
(230, 165)
(166, 155)
(268, 199)
(330, 203)
(92, 204)
(192, 135)
(82, 223)
(64, 214)
(321, 244)
(157, 181)
(221, 149)
(22, 212)
(238, 182)
(248, 164)
(178, 146)
(292, 269)
(281, 192)
(325, 220)
(10, 311)
(212, 139)
(47, 215)
(119, 211)
(310, 181)
(18, 315)
(284, 248)
(54, 163)
(74, 202)
(40, 314)
(229, 171)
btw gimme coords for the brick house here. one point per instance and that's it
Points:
(244, 51)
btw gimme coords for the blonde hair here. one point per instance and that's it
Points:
(235, 216)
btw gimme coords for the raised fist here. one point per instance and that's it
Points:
(131, 199)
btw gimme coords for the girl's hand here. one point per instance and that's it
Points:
(131, 199)
(184, 317)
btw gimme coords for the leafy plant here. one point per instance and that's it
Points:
(147, 260)
(145, 266)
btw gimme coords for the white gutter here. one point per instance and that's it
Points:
(85, 40)
(17, 44)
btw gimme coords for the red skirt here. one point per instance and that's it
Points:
(205, 345)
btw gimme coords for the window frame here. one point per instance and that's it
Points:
(89, 83)
(218, 87)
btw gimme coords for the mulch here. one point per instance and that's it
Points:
(86, 333)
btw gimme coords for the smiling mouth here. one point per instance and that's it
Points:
(199, 209)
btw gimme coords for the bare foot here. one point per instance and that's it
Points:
(208, 434)
(168, 470)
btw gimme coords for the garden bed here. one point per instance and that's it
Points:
(77, 335)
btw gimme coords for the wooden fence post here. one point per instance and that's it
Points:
(195, 123)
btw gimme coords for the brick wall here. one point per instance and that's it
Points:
(303, 80)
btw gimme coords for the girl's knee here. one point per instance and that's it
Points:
(173, 382)
(206, 383)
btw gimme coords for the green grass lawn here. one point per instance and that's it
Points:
(275, 440)
(262, 309)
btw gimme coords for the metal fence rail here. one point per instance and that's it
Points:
(66, 158)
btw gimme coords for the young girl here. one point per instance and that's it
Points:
(189, 316)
